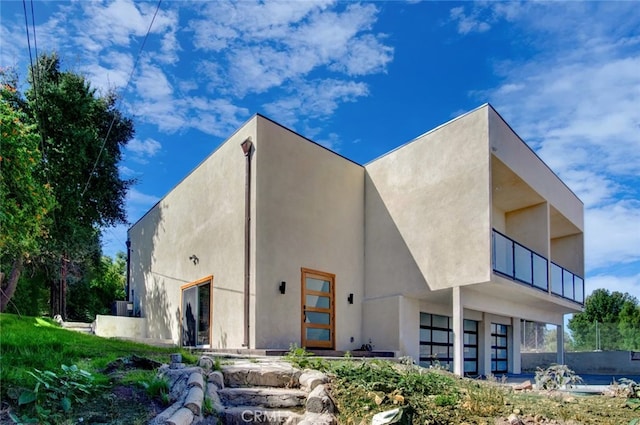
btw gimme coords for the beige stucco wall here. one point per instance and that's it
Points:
(530, 226)
(310, 212)
(203, 215)
(568, 251)
(507, 146)
(432, 196)
(120, 326)
(381, 323)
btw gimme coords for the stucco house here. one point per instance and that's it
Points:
(438, 249)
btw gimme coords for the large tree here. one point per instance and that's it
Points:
(83, 137)
(25, 199)
(609, 322)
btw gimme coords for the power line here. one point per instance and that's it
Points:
(135, 64)
(34, 74)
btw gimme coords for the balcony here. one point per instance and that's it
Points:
(519, 263)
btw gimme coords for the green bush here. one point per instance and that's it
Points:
(55, 394)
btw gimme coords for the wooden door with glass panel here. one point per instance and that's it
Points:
(317, 309)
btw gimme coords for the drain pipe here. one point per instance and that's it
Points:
(247, 146)
(128, 267)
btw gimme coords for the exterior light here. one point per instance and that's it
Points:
(350, 298)
(283, 287)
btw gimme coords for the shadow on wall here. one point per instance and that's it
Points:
(384, 238)
(222, 342)
(149, 290)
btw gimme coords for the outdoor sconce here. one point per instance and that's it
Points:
(350, 298)
(195, 259)
(282, 287)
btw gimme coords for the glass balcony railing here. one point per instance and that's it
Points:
(566, 284)
(521, 264)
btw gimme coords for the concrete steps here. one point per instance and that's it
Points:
(245, 391)
(82, 327)
(271, 391)
(267, 397)
(242, 415)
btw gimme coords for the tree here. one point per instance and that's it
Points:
(98, 289)
(25, 199)
(83, 136)
(607, 322)
(630, 326)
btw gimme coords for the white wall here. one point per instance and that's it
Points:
(309, 213)
(203, 215)
(120, 326)
(435, 191)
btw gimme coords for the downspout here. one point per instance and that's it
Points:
(247, 146)
(128, 268)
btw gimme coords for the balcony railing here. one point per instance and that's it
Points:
(566, 284)
(521, 264)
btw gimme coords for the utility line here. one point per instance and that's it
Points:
(135, 64)
(33, 69)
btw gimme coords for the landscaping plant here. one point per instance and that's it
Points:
(556, 377)
(55, 394)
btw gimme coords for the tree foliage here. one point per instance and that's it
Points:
(25, 199)
(96, 292)
(610, 321)
(82, 135)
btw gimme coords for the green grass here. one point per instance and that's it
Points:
(29, 343)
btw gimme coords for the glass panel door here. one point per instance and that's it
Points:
(204, 313)
(499, 348)
(317, 309)
(196, 314)
(189, 314)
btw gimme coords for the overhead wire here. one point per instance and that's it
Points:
(135, 64)
(33, 69)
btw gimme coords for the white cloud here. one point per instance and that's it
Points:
(315, 99)
(145, 148)
(127, 172)
(613, 234)
(268, 45)
(628, 284)
(576, 102)
(468, 23)
(139, 199)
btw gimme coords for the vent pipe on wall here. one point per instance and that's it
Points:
(247, 147)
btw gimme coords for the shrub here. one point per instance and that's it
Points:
(555, 377)
(55, 394)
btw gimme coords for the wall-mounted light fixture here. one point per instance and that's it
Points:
(350, 298)
(283, 287)
(195, 259)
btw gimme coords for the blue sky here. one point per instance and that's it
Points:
(362, 79)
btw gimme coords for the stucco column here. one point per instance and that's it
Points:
(516, 365)
(560, 344)
(409, 328)
(458, 332)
